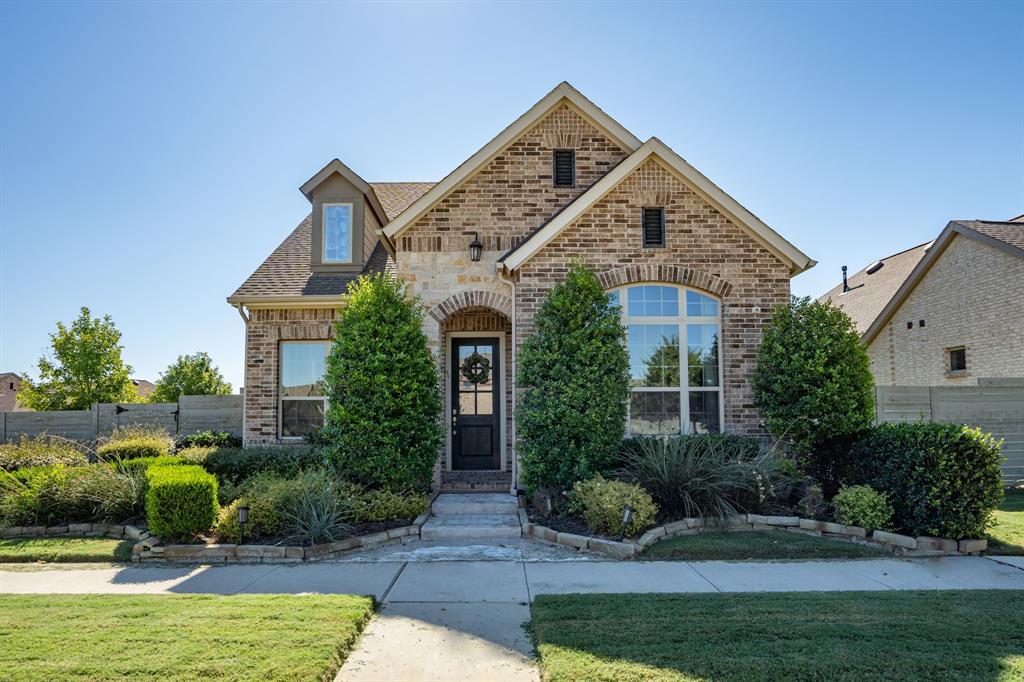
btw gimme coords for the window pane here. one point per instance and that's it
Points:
(704, 412)
(467, 403)
(653, 414)
(485, 403)
(338, 233)
(654, 354)
(699, 305)
(299, 417)
(702, 354)
(653, 301)
(302, 368)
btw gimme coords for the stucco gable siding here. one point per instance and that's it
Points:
(513, 194)
(967, 298)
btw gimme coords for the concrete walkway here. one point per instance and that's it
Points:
(462, 620)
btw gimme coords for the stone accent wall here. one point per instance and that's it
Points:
(513, 194)
(971, 297)
(263, 334)
(489, 322)
(704, 250)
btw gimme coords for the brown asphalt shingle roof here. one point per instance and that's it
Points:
(1010, 232)
(869, 294)
(288, 272)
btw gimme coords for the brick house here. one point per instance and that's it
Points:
(944, 313)
(692, 268)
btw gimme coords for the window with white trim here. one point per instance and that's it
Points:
(337, 222)
(302, 402)
(676, 387)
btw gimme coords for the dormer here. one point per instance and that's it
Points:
(346, 215)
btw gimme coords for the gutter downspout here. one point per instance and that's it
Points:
(515, 363)
(245, 318)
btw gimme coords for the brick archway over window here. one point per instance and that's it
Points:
(471, 299)
(670, 274)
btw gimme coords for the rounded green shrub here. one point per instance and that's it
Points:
(387, 505)
(235, 465)
(219, 439)
(134, 442)
(942, 480)
(862, 505)
(601, 503)
(42, 450)
(181, 501)
(574, 378)
(383, 422)
(813, 381)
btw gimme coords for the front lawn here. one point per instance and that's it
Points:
(174, 637)
(754, 545)
(906, 636)
(65, 550)
(1007, 536)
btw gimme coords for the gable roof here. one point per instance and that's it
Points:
(691, 177)
(287, 273)
(563, 92)
(336, 166)
(1007, 236)
(869, 293)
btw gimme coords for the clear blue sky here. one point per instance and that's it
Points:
(152, 153)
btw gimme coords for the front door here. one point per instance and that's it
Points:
(475, 403)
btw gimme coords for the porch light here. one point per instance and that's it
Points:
(243, 518)
(475, 248)
(627, 517)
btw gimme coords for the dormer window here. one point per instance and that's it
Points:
(337, 222)
(564, 171)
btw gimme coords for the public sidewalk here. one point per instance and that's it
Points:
(462, 620)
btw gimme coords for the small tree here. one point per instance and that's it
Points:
(86, 368)
(383, 422)
(574, 376)
(189, 375)
(813, 380)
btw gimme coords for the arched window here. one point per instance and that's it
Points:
(676, 387)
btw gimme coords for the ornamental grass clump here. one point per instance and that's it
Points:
(40, 496)
(602, 503)
(862, 505)
(134, 442)
(41, 450)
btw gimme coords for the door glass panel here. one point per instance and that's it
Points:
(467, 402)
(485, 403)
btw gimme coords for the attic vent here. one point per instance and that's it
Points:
(654, 226)
(874, 267)
(564, 171)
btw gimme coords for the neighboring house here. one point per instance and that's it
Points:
(10, 385)
(143, 388)
(694, 270)
(944, 313)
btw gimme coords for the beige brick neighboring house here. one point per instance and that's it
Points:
(944, 313)
(691, 267)
(10, 385)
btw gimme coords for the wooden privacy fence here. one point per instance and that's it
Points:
(192, 413)
(996, 406)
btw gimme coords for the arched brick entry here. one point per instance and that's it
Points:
(471, 299)
(672, 274)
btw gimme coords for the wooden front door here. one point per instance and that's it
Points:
(475, 404)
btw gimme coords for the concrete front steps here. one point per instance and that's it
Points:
(473, 516)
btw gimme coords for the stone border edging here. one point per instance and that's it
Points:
(151, 548)
(901, 545)
(76, 530)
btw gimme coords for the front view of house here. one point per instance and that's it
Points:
(697, 276)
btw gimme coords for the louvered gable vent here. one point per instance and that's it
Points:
(654, 226)
(565, 168)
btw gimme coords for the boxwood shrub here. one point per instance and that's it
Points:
(234, 465)
(133, 442)
(181, 501)
(942, 479)
(601, 503)
(217, 439)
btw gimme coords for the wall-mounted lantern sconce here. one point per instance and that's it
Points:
(475, 248)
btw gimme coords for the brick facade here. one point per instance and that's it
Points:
(704, 250)
(967, 298)
(263, 335)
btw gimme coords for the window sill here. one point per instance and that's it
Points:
(957, 375)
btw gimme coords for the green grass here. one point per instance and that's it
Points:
(1007, 536)
(753, 545)
(65, 550)
(906, 636)
(178, 637)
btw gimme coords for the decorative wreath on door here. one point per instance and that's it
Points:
(476, 368)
